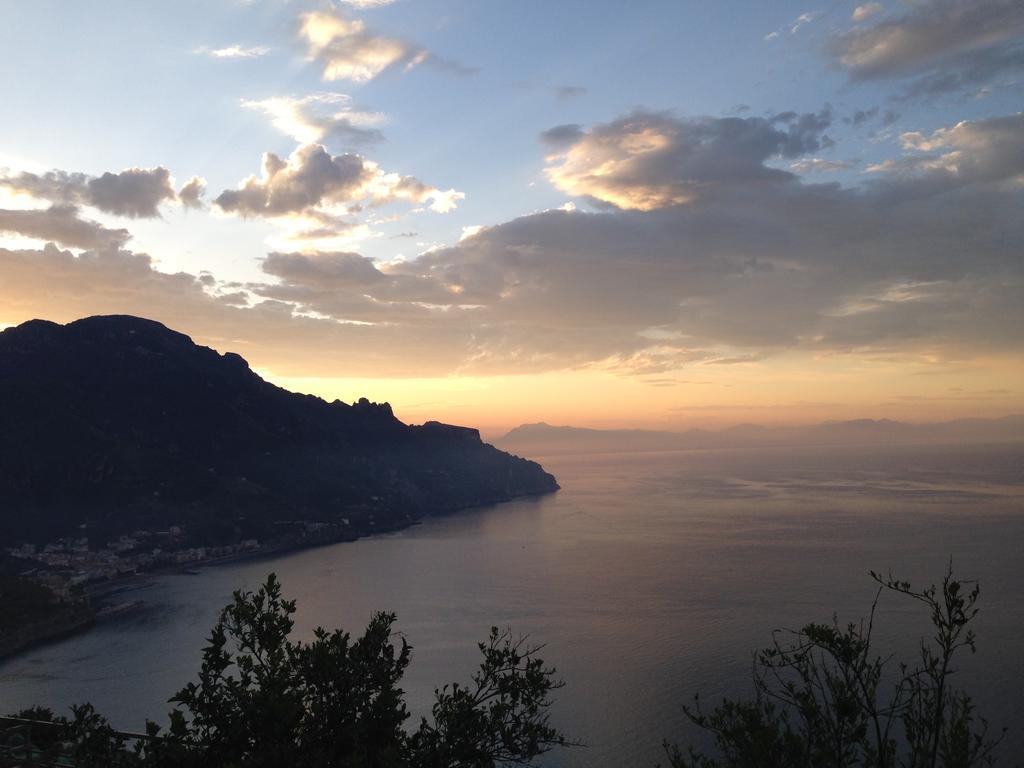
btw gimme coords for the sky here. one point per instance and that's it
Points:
(653, 214)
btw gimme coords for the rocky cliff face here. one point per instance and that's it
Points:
(116, 423)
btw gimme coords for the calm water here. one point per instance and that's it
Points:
(649, 576)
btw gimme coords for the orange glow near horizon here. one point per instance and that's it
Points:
(793, 389)
(790, 388)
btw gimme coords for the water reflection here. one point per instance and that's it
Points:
(650, 576)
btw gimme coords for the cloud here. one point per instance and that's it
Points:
(795, 25)
(327, 118)
(235, 52)
(362, 4)
(348, 51)
(976, 70)
(326, 281)
(61, 286)
(324, 270)
(134, 192)
(945, 44)
(802, 20)
(759, 263)
(359, 336)
(61, 224)
(866, 11)
(754, 270)
(192, 191)
(817, 164)
(313, 227)
(562, 136)
(569, 92)
(313, 184)
(971, 152)
(862, 116)
(647, 161)
(307, 179)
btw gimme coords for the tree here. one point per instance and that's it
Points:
(822, 697)
(86, 740)
(262, 700)
(500, 718)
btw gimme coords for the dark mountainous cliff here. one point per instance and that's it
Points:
(118, 423)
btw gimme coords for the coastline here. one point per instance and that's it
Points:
(72, 619)
(277, 549)
(84, 615)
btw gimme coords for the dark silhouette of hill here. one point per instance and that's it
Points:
(544, 439)
(118, 423)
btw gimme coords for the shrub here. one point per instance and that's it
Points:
(823, 697)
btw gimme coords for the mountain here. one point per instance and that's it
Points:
(547, 440)
(113, 424)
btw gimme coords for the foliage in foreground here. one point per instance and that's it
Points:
(824, 697)
(264, 701)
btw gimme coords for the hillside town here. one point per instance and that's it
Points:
(67, 565)
(70, 566)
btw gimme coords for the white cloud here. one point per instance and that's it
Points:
(349, 52)
(444, 201)
(320, 117)
(235, 52)
(795, 25)
(866, 11)
(819, 165)
(802, 20)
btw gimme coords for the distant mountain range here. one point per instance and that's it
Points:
(544, 439)
(112, 424)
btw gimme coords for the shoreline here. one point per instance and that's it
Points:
(100, 590)
(76, 619)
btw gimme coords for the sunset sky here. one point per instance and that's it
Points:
(606, 214)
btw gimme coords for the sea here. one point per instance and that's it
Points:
(649, 578)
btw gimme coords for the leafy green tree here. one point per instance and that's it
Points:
(823, 697)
